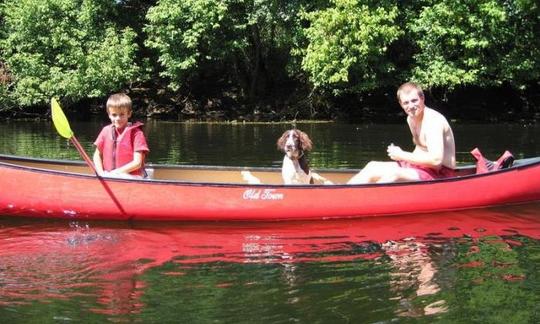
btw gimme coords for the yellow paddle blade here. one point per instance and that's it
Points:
(59, 120)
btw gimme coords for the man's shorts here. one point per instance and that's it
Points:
(425, 173)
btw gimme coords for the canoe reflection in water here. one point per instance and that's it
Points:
(104, 264)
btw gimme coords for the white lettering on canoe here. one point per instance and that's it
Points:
(262, 194)
(70, 212)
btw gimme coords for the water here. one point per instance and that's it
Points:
(457, 267)
(335, 145)
(448, 267)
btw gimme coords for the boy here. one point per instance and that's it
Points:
(120, 147)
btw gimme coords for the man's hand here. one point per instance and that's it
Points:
(395, 152)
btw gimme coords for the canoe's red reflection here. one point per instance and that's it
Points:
(102, 262)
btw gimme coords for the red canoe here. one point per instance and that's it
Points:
(69, 190)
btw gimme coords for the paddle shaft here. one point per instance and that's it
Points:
(82, 152)
(93, 167)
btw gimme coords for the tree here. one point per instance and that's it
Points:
(4, 83)
(348, 45)
(66, 48)
(243, 43)
(184, 33)
(481, 43)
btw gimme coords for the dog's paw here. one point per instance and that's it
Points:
(250, 178)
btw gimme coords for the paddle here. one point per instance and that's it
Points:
(61, 124)
(62, 127)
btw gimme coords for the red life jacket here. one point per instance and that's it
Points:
(118, 150)
(484, 165)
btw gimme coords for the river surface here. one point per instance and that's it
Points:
(475, 266)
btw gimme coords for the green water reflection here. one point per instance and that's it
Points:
(499, 289)
(316, 292)
(496, 281)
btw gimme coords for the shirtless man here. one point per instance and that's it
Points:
(434, 155)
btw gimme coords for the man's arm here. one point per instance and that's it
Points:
(431, 156)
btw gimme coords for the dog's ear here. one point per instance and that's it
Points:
(305, 141)
(281, 141)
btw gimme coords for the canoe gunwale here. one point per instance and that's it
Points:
(518, 165)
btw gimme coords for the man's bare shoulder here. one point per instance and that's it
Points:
(433, 116)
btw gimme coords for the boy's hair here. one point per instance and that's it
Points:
(407, 87)
(119, 100)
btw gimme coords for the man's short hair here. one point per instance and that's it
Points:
(119, 101)
(408, 87)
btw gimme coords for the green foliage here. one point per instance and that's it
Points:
(4, 94)
(482, 43)
(4, 82)
(262, 49)
(246, 42)
(345, 45)
(184, 32)
(66, 48)
(348, 44)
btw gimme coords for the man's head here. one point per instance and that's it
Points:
(411, 99)
(119, 109)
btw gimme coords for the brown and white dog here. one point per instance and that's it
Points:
(295, 168)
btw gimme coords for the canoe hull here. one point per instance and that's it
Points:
(35, 192)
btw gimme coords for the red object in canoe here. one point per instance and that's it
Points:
(69, 190)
